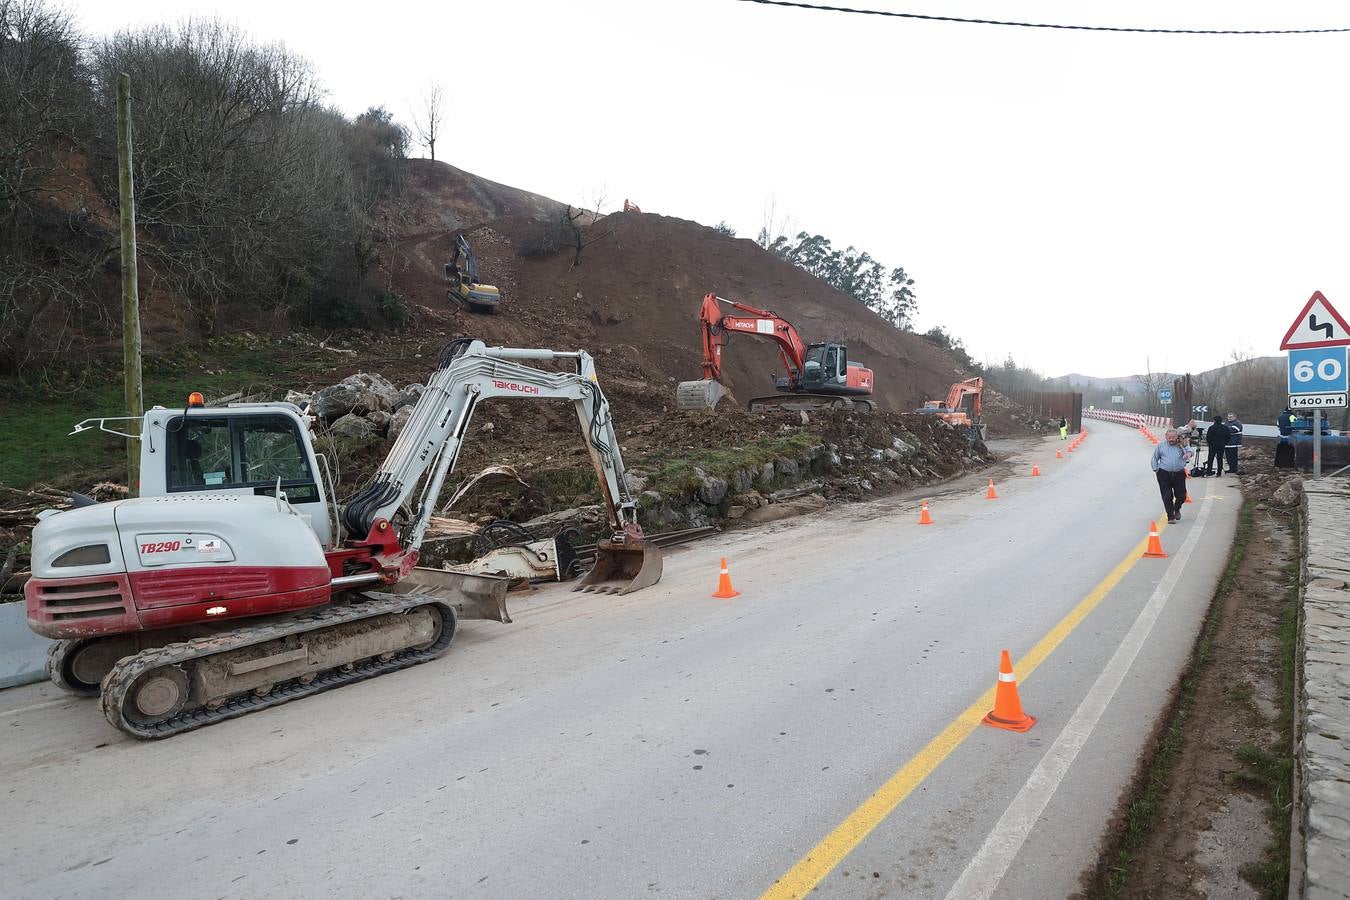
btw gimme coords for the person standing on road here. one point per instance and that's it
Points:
(1234, 442)
(1216, 439)
(1063, 428)
(1169, 465)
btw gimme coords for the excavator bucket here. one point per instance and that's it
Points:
(622, 568)
(699, 395)
(472, 596)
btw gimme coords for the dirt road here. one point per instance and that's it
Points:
(819, 729)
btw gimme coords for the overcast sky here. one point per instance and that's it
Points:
(1082, 200)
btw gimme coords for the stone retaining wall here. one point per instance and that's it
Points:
(1322, 847)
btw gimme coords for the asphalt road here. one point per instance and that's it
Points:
(668, 743)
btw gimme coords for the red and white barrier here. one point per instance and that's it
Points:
(1134, 420)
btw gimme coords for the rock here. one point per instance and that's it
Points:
(299, 398)
(735, 512)
(380, 419)
(785, 467)
(353, 426)
(712, 490)
(360, 393)
(380, 387)
(750, 500)
(334, 402)
(900, 447)
(1288, 494)
(766, 474)
(806, 419)
(649, 498)
(743, 480)
(398, 420)
(635, 483)
(409, 395)
(488, 428)
(890, 455)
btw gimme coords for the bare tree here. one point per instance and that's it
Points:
(772, 226)
(428, 119)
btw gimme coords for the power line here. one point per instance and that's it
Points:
(1013, 24)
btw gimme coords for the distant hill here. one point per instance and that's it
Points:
(1130, 383)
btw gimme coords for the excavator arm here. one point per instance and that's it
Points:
(715, 327)
(412, 475)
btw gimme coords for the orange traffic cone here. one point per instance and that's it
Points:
(1059, 454)
(1154, 550)
(991, 494)
(1007, 712)
(724, 589)
(1035, 471)
(924, 517)
(1071, 448)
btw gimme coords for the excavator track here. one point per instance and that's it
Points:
(150, 695)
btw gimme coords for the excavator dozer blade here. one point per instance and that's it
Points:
(699, 395)
(622, 569)
(472, 596)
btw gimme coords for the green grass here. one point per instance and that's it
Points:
(675, 473)
(35, 442)
(1141, 816)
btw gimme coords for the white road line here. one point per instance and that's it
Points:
(24, 709)
(988, 866)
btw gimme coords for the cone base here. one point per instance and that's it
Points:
(726, 595)
(1023, 724)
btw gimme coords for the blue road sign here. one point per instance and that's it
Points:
(1319, 370)
(1165, 395)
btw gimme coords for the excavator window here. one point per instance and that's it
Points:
(237, 451)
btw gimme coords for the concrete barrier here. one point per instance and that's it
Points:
(23, 654)
(1321, 846)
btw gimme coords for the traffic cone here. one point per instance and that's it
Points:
(1035, 471)
(724, 589)
(991, 494)
(1007, 712)
(924, 517)
(1154, 550)
(1059, 454)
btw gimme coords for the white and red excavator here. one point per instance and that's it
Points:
(232, 583)
(817, 376)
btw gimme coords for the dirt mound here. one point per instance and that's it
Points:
(633, 300)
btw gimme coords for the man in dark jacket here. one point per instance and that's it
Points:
(1216, 439)
(1234, 442)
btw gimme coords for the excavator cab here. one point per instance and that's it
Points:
(826, 366)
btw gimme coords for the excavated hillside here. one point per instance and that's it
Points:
(634, 296)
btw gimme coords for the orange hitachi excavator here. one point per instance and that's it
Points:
(818, 376)
(963, 408)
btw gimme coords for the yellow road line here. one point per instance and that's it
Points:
(812, 868)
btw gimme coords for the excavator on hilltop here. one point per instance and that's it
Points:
(818, 376)
(228, 586)
(464, 285)
(963, 407)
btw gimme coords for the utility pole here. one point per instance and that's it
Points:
(131, 304)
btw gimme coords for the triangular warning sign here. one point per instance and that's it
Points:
(1319, 325)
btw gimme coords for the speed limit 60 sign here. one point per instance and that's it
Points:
(1318, 377)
